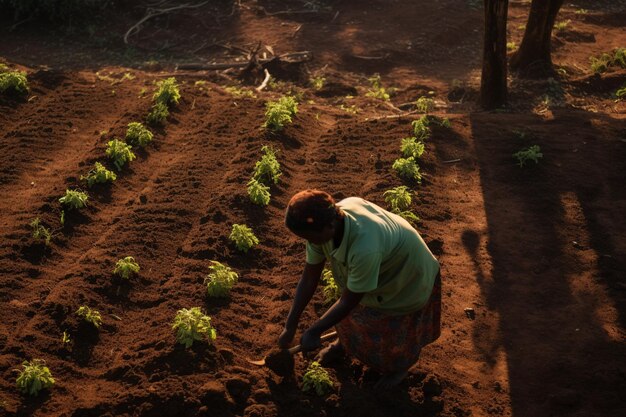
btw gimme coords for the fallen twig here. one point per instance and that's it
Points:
(265, 81)
(451, 161)
(303, 56)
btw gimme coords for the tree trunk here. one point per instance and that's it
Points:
(493, 80)
(533, 59)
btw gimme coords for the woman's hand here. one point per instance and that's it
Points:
(310, 340)
(286, 337)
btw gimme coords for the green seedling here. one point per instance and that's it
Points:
(126, 267)
(65, 338)
(533, 153)
(353, 109)
(279, 113)
(317, 379)
(258, 192)
(617, 58)
(138, 134)
(34, 377)
(511, 46)
(561, 26)
(167, 92)
(120, 153)
(317, 82)
(40, 232)
(74, 200)
(98, 175)
(267, 169)
(581, 11)
(90, 316)
(621, 93)
(424, 104)
(408, 169)
(158, 115)
(412, 147)
(220, 280)
(330, 289)
(421, 131)
(377, 90)
(191, 325)
(399, 198)
(239, 92)
(13, 83)
(243, 237)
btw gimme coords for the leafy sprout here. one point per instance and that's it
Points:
(533, 153)
(408, 169)
(279, 113)
(330, 289)
(191, 325)
(13, 83)
(617, 58)
(126, 267)
(317, 379)
(138, 134)
(243, 237)
(90, 316)
(317, 82)
(167, 92)
(158, 115)
(239, 92)
(424, 104)
(267, 169)
(120, 153)
(561, 26)
(34, 377)
(40, 232)
(412, 147)
(99, 175)
(74, 199)
(220, 280)
(258, 192)
(399, 198)
(621, 93)
(420, 128)
(377, 90)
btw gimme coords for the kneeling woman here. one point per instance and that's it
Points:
(390, 304)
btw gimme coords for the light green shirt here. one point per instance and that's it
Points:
(380, 255)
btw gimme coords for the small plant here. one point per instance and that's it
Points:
(424, 104)
(158, 115)
(561, 26)
(317, 82)
(353, 109)
(126, 267)
(412, 147)
(74, 199)
(167, 92)
(420, 128)
(220, 280)
(258, 192)
(34, 377)
(279, 113)
(317, 379)
(617, 58)
(581, 11)
(243, 237)
(191, 325)
(399, 198)
(13, 83)
(120, 153)
(90, 316)
(408, 169)
(99, 175)
(533, 153)
(65, 338)
(138, 134)
(621, 93)
(511, 46)
(40, 232)
(267, 169)
(239, 92)
(377, 90)
(330, 289)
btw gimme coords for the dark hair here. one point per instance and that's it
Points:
(311, 210)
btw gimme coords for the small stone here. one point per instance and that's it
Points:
(431, 386)
(143, 199)
(470, 313)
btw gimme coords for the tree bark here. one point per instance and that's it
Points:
(493, 91)
(533, 58)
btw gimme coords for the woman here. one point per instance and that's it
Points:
(391, 288)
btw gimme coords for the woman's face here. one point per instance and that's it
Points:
(317, 237)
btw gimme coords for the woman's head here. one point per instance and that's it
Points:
(312, 215)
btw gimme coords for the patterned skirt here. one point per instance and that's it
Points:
(391, 343)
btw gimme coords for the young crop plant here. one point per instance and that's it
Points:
(89, 316)
(330, 289)
(533, 153)
(13, 83)
(220, 280)
(561, 26)
(258, 192)
(243, 237)
(267, 169)
(74, 199)
(424, 104)
(408, 169)
(377, 90)
(126, 267)
(511, 46)
(34, 377)
(239, 92)
(317, 379)
(617, 58)
(420, 128)
(412, 147)
(399, 198)
(317, 82)
(40, 232)
(120, 153)
(98, 175)
(191, 325)
(621, 93)
(279, 113)
(167, 92)
(158, 115)
(138, 134)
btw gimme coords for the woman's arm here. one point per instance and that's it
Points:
(304, 292)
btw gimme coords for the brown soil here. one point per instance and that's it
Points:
(537, 252)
